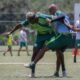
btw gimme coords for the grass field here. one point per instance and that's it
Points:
(12, 67)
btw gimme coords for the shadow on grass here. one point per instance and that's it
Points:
(51, 77)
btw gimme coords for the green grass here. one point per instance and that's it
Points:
(43, 71)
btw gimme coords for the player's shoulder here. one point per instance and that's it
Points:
(43, 15)
(59, 13)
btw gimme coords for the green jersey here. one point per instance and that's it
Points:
(41, 27)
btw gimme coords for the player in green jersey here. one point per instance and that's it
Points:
(39, 23)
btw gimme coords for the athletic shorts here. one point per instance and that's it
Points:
(77, 43)
(42, 38)
(23, 44)
(9, 46)
(61, 41)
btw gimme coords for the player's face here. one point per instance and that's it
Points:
(52, 10)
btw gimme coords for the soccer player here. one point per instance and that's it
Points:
(63, 34)
(38, 22)
(23, 41)
(60, 28)
(9, 43)
(77, 45)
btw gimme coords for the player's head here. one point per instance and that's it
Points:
(52, 8)
(30, 14)
(31, 17)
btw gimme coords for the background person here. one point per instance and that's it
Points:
(9, 44)
(23, 41)
(75, 51)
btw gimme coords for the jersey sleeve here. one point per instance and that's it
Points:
(42, 15)
(66, 19)
(25, 23)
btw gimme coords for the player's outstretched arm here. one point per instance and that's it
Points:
(15, 28)
(72, 27)
(54, 18)
(58, 18)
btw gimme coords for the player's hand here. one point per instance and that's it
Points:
(6, 34)
(48, 20)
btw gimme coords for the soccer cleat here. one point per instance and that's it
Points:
(18, 54)
(56, 74)
(3, 54)
(74, 60)
(31, 65)
(31, 75)
(64, 73)
(28, 55)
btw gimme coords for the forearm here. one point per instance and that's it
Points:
(74, 28)
(16, 28)
(58, 18)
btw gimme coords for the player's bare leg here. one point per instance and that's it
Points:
(60, 62)
(38, 57)
(19, 51)
(35, 52)
(27, 51)
(5, 52)
(10, 50)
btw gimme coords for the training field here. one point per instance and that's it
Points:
(12, 67)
